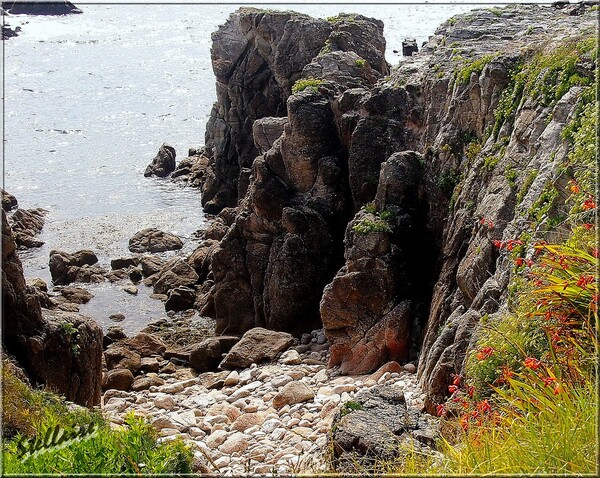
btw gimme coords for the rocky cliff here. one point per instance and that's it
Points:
(374, 204)
(60, 350)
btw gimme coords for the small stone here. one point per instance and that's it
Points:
(131, 289)
(410, 368)
(117, 317)
(291, 393)
(238, 442)
(232, 379)
(165, 401)
(290, 357)
(216, 438)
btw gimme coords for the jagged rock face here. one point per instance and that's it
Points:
(347, 141)
(366, 310)
(257, 57)
(61, 350)
(278, 254)
(473, 276)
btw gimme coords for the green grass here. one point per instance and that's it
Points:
(41, 422)
(369, 226)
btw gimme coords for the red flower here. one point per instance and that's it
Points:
(588, 226)
(485, 352)
(558, 388)
(498, 244)
(589, 204)
(574, 187)
(490, 224)
(484, 406)
(532, 363)
(519, 261)
(470, 390)
(439, 410)
(585, 280)
(452, 388)
(456, 380)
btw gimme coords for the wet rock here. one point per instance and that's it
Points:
(26, 224)
(257, 345)
(180, 298)
(117, 317)
(38, 283)
(409, 46)
(76, 295)
(154, 240)
(163, 163)
(77, 267)
(131, 289)
(124, 262)
(151, 265)
(9, 202)
(192, 169)
(175, 273)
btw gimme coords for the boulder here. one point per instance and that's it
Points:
(163, 163)
(9, 202)
(124, 262)
(76, 295)
(144, 383)
(118, 356)
(291, 393)
(151, 265)
(206, 355)
(409, 46)
(175, 273)
(118, 379)
(146, 345)
(26, 224)
(201, 257)
(77, 267)
(180, 298)
(257, 345)
(375, 425)
(154, 240)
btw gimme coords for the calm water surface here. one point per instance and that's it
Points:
(89, 100)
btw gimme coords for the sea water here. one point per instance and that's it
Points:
(90, 98)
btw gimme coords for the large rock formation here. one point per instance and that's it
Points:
(60, 350)
(373, 206)
(257, 57)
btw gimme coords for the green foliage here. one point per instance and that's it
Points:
(304, 83)
(368, 226)
(360, 63)
(543, 205)
(476, 66)
(387, 215)
(349, 407)
(526, 185)
(42, 435)
(546, 77)
(511, 176)
(448, 180)
(490, 162)
(472, 150)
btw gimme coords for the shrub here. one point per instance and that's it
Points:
(476, 66)
(360, 63)
(368, 226)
